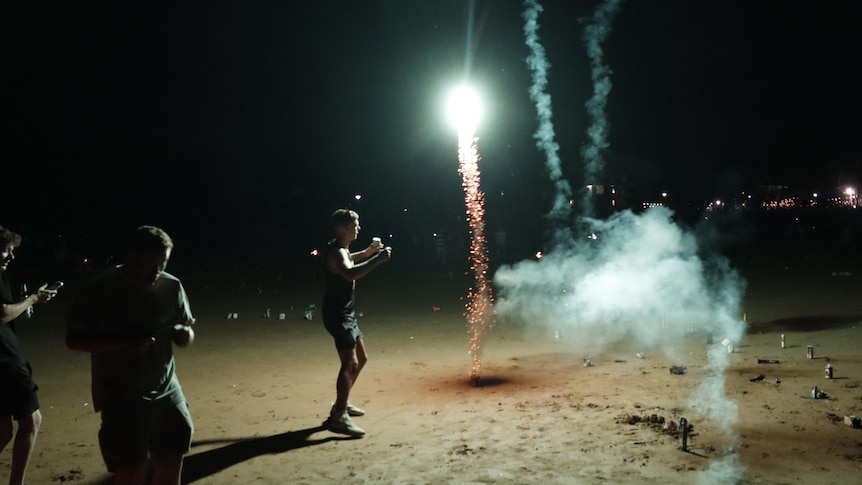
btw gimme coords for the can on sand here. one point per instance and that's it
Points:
(828, 373)
(782, 340)
(810, 351)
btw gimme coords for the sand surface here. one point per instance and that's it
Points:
(260, 388)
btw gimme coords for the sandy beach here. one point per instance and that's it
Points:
(260, 388)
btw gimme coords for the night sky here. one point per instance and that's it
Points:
(247, 123)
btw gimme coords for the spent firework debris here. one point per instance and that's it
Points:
(479, 308)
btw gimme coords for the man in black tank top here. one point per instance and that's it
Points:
(342, 269)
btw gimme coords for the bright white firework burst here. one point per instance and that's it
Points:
(464, 111)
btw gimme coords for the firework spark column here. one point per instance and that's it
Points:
(464, 111)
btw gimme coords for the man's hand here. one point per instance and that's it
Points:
(45, 295)
(182, 335)
(385, 254)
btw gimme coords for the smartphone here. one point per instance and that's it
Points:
(54, 286)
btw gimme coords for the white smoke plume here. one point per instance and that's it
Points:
(544, 135)
(642, 280)
(638, 277)
(595, 33)
(641, 277)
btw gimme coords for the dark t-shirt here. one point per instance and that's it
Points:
(9, 351)
(338, 300)
(111, 307)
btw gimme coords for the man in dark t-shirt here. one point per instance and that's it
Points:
(128, 318)
(18, 398)
(342, 269)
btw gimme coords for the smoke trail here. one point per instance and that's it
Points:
(595, 34)
(544, 135)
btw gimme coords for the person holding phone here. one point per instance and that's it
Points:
(129, 317)
(18, 399)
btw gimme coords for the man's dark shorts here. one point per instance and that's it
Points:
(135, 430)
(18, 398)
(344, 330)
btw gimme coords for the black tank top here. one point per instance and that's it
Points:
(338, 298)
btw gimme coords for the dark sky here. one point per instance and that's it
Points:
(254, 120)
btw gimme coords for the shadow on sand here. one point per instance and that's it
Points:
(201, 465)
(207, 463)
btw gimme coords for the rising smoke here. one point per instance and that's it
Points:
(544, 135)
(641, 278)
(595, 34)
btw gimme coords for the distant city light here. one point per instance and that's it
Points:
(664, 194)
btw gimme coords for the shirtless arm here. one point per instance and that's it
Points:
(341, 262)
(360, 256)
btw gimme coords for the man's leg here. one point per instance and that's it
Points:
(135, 474)
(25, 440)
(361, 358)
(339, 420)
(170, 440)
(5, 431)
(167, 471)
(346, 377)
(122, 440)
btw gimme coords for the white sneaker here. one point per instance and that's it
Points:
(354, 411)
(342, 424)
(351, 410)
